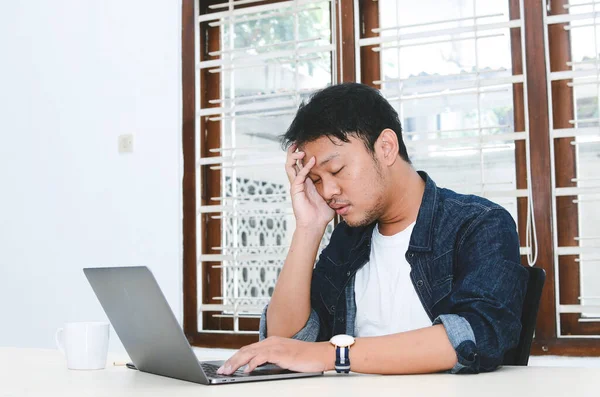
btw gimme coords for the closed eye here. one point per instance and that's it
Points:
(337, 172)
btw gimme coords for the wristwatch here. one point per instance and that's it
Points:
(342, 345)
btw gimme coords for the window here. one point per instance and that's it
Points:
(488, 108)
(257, 64)
(573, 84)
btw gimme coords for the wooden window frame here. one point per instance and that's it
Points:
(546, 341)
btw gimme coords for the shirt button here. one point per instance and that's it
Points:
(332, 308)
(411, 255)
(420, 283)
(341, 319)
(348, 274)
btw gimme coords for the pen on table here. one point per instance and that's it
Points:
(124, 363)
(119, 363)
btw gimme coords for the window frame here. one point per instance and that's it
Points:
(546, 341)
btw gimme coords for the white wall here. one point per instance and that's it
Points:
(74, 75)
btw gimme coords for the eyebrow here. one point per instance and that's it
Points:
(328, 159)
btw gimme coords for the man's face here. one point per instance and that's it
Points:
(348, 178)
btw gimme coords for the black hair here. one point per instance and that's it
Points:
(342, 110)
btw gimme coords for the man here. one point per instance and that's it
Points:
(416, 279)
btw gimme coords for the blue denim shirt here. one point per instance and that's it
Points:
(465, 267)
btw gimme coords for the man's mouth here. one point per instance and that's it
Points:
(341, 209)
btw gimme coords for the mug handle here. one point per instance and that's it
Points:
(59, 340)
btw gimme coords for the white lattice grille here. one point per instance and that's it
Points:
(252, 282)
(260, 233)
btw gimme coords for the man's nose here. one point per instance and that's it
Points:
(330, 189)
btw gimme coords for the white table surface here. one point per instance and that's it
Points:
(37, 372)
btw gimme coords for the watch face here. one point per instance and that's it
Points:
(342, 340)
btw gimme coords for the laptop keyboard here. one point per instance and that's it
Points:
(267, 369)
(211, 371)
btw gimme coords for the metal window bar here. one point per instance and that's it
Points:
(515, 23)
(232, 13)
(440, 22)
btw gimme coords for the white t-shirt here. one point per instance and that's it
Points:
(386, 300)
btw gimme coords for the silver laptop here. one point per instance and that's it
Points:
(150, 333)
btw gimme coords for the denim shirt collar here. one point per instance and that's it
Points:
(421, 238)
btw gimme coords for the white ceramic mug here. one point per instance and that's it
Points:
(84, 344)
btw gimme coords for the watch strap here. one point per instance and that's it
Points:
(342, 359)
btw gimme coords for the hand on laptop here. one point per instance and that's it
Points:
(289, 354)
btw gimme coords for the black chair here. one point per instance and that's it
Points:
(520, 354)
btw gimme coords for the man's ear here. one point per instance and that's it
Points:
(387, 147)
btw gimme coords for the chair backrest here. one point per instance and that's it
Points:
(520, 354)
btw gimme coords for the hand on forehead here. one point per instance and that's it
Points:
(323, 150)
